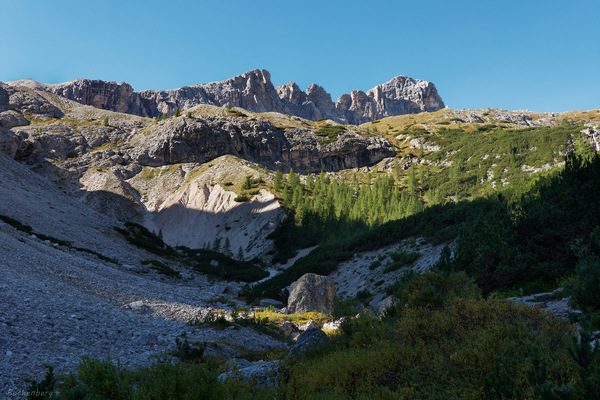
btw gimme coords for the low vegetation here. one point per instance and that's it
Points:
(28, 229)
(330, 132)
(205, 261)
(440, 340)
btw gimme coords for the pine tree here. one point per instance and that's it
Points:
(177, 112)
(240, 254)
(217, 244)
(227, 249)
(411, 181)
(247, 183)
(105, 121)
(277, 180)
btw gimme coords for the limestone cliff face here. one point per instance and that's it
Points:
(129, 142)
(254, 91)
(185, 140)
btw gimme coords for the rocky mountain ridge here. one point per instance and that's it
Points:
(255, 92)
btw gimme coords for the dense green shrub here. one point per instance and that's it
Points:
(240, 198)
(434, 290)
(586, 287)
(401, 259)
(457, 351)
(329, 131)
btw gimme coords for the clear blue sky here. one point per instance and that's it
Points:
(527, 54)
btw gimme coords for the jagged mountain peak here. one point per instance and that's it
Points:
(254, 91)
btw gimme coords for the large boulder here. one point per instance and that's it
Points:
(311, 339)
(312, 292)
(9, 143)
(260, 373)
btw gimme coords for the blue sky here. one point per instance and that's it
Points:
(527, 54)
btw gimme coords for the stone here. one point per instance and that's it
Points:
(138, 306)
(311, 292)
(310, 324)
(421, 143)
(9, 143)
(231, 289)
(310, 339)
(384, 305)
(334, 325)
(271, 303)
(11, 118)
(287, 328)
(214, 263)
(260, 373)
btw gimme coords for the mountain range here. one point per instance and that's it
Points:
(255, 92)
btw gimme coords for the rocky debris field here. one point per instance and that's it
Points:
(56, 307)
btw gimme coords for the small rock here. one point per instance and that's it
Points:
(186, 275)
(334, 325)
(214, 263)
(231, 289)
(310, 324)
(261, 373)
(271, 303)
(138, 306)
(287, 328)
(384, 305)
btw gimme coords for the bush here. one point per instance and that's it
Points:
(330, 131)
(435, 290)
(242, 197)
(586, 287)
(186, 351)
(400, 260)
(460, 351)
(162, 268)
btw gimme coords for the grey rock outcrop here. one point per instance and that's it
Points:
(24, 101)
(186, 140)
(310, 339)
(253, 91)
(260, 373)
(312, 292)
(176, 140)
(271, 303)
(334, 325)
(9, 143)
(555, 302)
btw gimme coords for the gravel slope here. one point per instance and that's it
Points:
(57, 304)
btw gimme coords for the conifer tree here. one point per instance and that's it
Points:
(227, 248)
(277, 180)
(217, 244)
